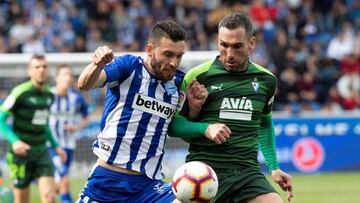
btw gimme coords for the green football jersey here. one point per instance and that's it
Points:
(29, 107)
(237, 99)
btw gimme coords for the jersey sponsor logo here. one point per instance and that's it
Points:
(40, 117)
(308, 154)
(236, 109)
(255, 85)
(213, 87)
(153, 106)
(170, 88)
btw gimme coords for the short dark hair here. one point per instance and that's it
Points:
(236, 20)
(168, 29)
(37, 56)
(62, 66)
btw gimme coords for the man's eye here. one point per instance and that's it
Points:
(224, 45)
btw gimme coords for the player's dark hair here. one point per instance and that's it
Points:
(61, 66)
(38, 56)
(168, 29)
(236, 20)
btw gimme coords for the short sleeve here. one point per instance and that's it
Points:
(120, 68)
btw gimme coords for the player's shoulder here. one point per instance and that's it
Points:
(48, 89)
(129, 59)
(199, 69)
(261, 70)
(21, 88)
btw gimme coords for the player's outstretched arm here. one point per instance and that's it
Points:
(93, 76)
(182, 128)
(284, 181)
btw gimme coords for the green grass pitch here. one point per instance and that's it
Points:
(318, 188)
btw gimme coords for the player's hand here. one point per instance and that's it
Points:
(71, 128)
(196, 95)
(102, 56)
(284, 181)
(20, 148)
(61, 153)
(218, 133)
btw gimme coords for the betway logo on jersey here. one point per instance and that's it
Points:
(153, 106)
(236, 109)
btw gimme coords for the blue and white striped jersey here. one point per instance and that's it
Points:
(66, 110)
(137, 111)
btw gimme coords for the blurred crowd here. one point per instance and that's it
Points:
(312, 46)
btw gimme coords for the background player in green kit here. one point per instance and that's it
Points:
(28, 157)
(240, 95)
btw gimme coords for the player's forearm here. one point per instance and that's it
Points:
(89, 78)
(5, 130)
(267, 142)
(182, 128)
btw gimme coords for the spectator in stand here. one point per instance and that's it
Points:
(306, 88)
(339, 46)
(287, 97)
(348, 84)
(332, 102)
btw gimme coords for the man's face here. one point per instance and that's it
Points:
(166, 57)
(235, 48)
(38, 71)
(64, 78)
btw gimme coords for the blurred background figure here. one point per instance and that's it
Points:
(68, 114)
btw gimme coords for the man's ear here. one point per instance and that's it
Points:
(149, 50)
(252, 43)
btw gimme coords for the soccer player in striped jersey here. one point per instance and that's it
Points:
(142, 98)
(68, 114)
(28, 158)
(241, 95)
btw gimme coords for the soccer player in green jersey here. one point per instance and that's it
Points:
(240, 95)
(28, 157)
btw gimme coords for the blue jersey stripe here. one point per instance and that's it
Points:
(58, 105)
(141, 130)
(57, 123)
(156, 139)
(57, 129)
(67, 102)
(125, 115)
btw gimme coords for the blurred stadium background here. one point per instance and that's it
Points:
(312, 46)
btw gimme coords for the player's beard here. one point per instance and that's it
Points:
(161, 73)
